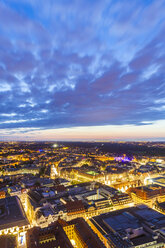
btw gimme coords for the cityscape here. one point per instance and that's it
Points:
(77, 194)
(82, 124)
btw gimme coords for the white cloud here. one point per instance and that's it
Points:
(4, 87)
(8, 115)
(150, 71)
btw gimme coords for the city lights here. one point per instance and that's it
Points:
(82, 124)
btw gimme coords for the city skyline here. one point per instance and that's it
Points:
(82, 70)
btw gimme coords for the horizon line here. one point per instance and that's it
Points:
(100, 141)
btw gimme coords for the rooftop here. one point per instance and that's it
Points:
(86, 233)
(12, 213)
(52, 236)
(134, 225)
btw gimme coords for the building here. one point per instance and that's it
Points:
(123, 186)
(130, 227)
(46, 205)
(80, 233)
(52, 236)
(45, 216)
(160, 206)
(148, 194)
(82, 175)
(12, 216)
(2, 194)
(75, 207)
(76, 233)
(120, 200)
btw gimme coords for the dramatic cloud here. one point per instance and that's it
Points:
(81, 63)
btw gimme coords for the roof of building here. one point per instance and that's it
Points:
(162, 205)
(38, 237)
(73, 206)
(12, 213)
(86, 233)
(133, 226)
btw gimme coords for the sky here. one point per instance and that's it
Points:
(82, 70)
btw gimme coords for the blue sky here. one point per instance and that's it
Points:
(67, 67)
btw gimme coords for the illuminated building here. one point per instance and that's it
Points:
(74, 207)
(123, 186)
(148, 194)
(82, 175)
(75, 233)
(160, 206)
(2, 194)
(15, 171)
(32, 206)
(52, 236)
(130, 227)
(12, 216)
(121, 199)
(23, 198)
(45, 205)
(80, 234)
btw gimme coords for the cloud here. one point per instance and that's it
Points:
(81, 63)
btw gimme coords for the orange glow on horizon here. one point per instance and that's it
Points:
(153, 131)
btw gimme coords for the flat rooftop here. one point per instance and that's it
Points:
(12, 213)
(134, 225)
(95, 197)
(46, 211)
(125, 219)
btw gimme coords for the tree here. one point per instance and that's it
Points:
(42, 170)
(37, 184)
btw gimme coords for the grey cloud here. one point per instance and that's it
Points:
(71, 68)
